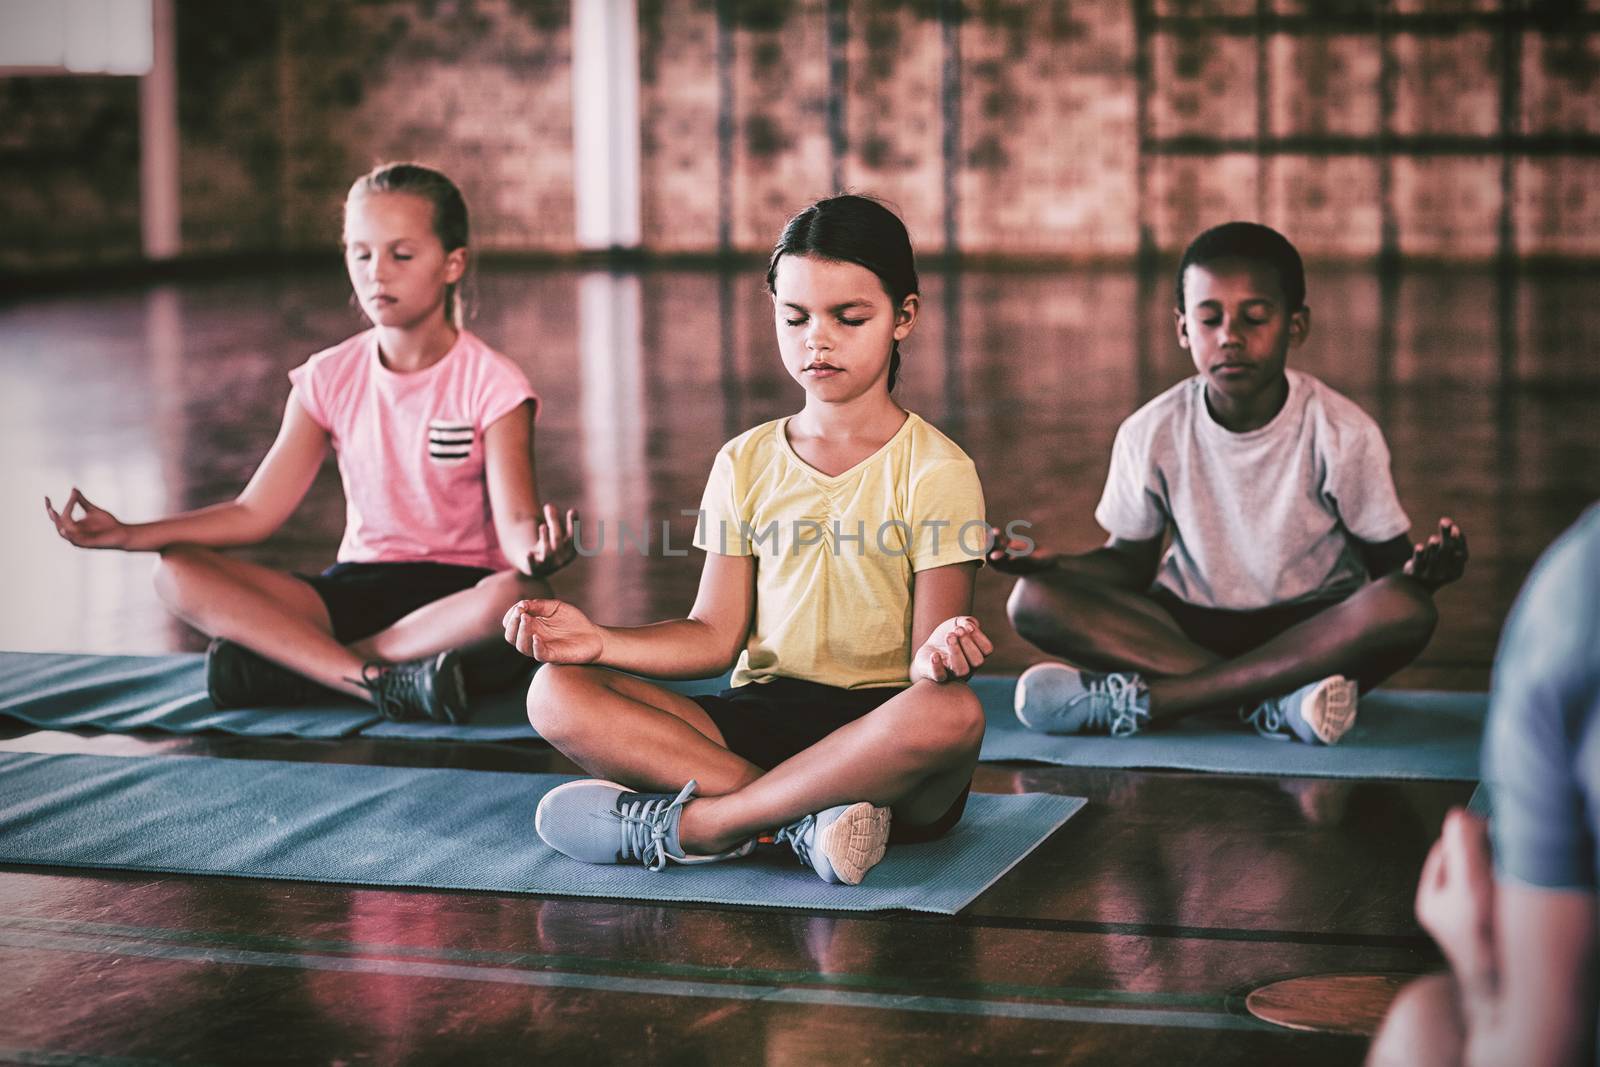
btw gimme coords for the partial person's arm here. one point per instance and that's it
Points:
(1120, 562)
(1435, 563)
(274, 491)
(948, 642)
(704, 644)
(535, 540)
(1523, 956)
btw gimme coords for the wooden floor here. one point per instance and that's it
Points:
(1132, 935)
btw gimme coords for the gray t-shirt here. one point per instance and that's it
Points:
(1541, 750)
(1260, 518)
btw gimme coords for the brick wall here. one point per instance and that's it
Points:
(1017, 127)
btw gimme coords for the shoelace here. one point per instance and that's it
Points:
(1267, 717)
(796, 836)
(394, 691)
(1118, 712)
(646, 825)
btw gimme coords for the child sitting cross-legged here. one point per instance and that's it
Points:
(1290, 581)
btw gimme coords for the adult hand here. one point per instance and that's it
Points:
(955, 649)
(93, 527)
(553, 631)
(1455, 899)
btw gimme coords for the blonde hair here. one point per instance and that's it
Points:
(449, 211)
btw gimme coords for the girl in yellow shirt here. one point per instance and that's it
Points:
(841, 547)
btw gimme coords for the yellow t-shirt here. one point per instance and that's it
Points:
(836, 555)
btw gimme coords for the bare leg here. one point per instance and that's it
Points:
(1368, 637)
(630, 731)
(1378, 630)
(914, 753)
(282, 618)
(455, 621)
(270, 612)
(1424, 1027)
(1102, 626)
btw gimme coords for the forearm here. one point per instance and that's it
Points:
(517, 537)
(217, 526)
(1107, 565)
(679, 648)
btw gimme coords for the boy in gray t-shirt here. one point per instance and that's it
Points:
(1290, 579)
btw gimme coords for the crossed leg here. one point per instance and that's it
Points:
(915, 753)
(1096, 624)
(281, 617)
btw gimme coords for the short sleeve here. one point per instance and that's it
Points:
(721, 526)
(1544, 692)
(1359, 485)
(307, 392)
(948, 523)
(501, 388)
(1131, 506)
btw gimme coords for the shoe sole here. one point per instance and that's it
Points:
(1020, 699)
(1330, 709)
(855, 841)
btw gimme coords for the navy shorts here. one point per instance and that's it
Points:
(768, 722)
(363, 598)
(1233, 633)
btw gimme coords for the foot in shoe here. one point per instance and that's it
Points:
(841, 843)
(429, 688)
(595, 821)
(1318, 713)
(1054, 698)
(236, 677)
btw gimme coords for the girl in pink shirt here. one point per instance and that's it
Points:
(433, 431)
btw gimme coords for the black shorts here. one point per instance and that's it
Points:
(1233, 633)
(768, 722)
(363, 598)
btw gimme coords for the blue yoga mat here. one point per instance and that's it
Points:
(441, 829)
(127, 693)
(1398, 734)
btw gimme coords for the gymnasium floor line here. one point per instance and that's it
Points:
(767, 993)
(545, 961)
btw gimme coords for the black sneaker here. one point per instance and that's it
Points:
(239, 678)
(428, 688)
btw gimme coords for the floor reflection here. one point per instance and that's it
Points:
(166, 398)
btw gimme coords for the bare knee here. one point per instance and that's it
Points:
(1035, 610)
(948, 721)
(557, 700)
(177, 570)
(1423, 1028)
(1406, 615)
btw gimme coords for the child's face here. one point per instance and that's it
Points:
(836, 326)
(1236, 326)
(397, 266)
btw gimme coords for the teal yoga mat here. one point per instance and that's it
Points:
(61, 691)
(441, 829)
(1398, 734)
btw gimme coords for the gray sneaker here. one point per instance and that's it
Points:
(840, 843)
(595, 821)
(1319, 713)
(1054, 698)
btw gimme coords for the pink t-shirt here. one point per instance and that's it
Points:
(410, 448)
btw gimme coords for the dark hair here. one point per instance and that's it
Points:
(449, 210)
(853, 229)
(1254, 243)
